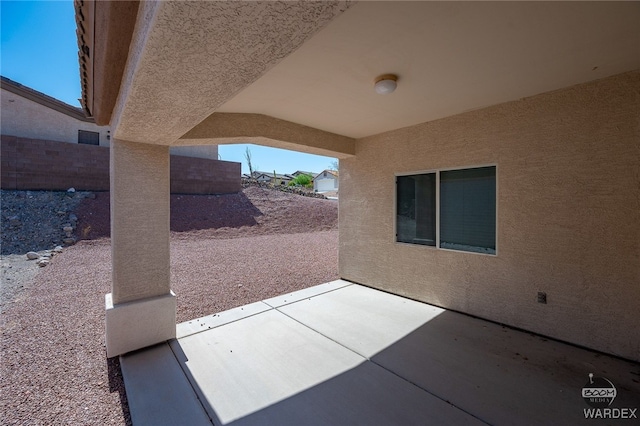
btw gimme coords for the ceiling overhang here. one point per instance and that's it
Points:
(192, 66)
(450, 57)
(188, 58)
(229, 128)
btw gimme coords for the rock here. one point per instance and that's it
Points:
(67, 228)
(32, 255)
(58, 249)
(42, 262)
(14, 221)
(69, 241)
(41, 219)
(71, 190)
(73, 217)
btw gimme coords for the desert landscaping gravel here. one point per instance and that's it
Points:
(226, 251)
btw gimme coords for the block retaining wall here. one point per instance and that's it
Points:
(32, 164)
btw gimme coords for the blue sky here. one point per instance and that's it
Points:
(39, 50)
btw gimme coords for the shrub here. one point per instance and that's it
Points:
(302, 180)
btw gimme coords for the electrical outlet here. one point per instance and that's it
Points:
(542, 297)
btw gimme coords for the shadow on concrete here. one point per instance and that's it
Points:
(364, 395)
(453, 369)
(116, 384)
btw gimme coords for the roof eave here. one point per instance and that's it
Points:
(104, 30)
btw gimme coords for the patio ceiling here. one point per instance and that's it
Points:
(450, 57)
(313, 64)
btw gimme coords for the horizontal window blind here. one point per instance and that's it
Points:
(468, 209)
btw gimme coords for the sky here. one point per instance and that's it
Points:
(39, 50)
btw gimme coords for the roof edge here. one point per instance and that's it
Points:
(104, 31)
(42, 99)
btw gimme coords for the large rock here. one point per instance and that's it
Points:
(32, 255)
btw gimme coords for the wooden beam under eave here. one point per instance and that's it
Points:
(229, 128)
(114, 24)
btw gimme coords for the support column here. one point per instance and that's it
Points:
(141, 308)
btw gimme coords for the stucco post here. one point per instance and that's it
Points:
(141, 308)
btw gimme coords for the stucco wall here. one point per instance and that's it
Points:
(568, 178)
(28, 119)
(25, 118)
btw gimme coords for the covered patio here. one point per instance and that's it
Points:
(341, 353)
(540, 98)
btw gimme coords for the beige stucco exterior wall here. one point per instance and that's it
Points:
(28, 119)
(141, 309)
(568, 176)
(139, 220)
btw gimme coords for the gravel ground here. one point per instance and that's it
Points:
(54, 368)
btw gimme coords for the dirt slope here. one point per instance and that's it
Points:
(253, 211)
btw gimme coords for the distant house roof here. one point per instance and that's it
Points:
(302, 172)
(257, 174)
(42, 99)
(334, 173)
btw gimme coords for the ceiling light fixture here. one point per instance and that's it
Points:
(386, 84)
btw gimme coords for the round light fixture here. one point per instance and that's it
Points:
(386, 84)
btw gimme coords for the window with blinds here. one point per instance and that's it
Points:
(462, 202)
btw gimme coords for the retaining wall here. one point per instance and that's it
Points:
(33, 164)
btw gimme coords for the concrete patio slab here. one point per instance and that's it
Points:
(296, 296)
(270, 369)
(344, 354)
(476, 365)
(158, 391)
(199, 325)
(362, 319)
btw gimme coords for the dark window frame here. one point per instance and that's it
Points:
(87, 137)
(473, 214)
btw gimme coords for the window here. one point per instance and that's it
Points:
(416, 221)
(89, 138)
(449, 209)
